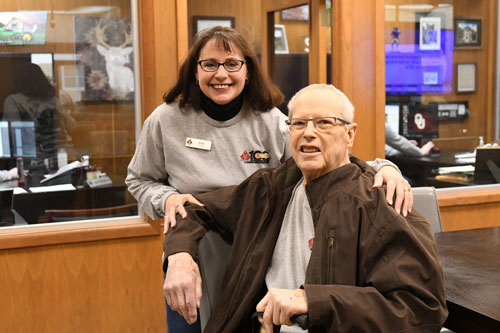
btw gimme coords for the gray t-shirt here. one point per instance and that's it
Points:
(293, 249)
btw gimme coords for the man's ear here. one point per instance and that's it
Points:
(351, 133)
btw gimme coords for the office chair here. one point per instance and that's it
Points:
(425, 202)
(61, 215)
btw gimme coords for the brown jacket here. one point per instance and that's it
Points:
(370, 270)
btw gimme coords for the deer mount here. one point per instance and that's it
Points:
(105, 45)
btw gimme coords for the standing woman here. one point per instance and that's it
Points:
(218, 125)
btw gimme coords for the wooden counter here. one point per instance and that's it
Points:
(469, 207)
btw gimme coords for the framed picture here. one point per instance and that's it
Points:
(300, 13)
(280, 42)
(467, 32)
(105, 52)
(206, 22)
(466, 78)
(429, 33)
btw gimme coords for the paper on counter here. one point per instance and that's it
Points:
(19, 190)
(456, 169)
(52, 188)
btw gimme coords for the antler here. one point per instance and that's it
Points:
(100, 32)
(128, 39)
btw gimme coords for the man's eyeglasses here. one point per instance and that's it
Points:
(229, 65)
(320, 123)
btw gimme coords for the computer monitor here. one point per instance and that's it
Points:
(392, 116)
(4, 140)
(23, 138)
(420, 122)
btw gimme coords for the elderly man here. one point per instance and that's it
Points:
(312, 237)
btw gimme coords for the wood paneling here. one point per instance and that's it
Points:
(105, 286)
(469, 210)
(317, 45)
(357, 70)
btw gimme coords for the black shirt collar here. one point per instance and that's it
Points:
(221, 112)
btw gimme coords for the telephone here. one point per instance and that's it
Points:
(62, 170)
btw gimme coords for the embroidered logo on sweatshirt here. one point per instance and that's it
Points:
(255, 156)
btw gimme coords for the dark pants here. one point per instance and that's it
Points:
(177, 324)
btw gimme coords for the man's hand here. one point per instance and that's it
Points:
(279, 305)
(182, 287)
(427, 148)
(175, 204)
(395, 182)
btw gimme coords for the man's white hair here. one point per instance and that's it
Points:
(344, 104)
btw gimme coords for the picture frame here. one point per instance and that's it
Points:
(467, 32)
(280, 41)
(99, 42)
(466, 77)
(429, 33)
(201, 23)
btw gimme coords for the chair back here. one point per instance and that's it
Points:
(61, 215)
(426, 203)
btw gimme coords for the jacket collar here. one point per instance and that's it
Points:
(336, 179)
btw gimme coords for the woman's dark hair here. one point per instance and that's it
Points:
(260, 92)
(30, 80)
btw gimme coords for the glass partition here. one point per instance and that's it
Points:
(67, 109)
(440, 90)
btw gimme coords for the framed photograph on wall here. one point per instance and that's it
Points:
(206, 22)
(466, 78)
(429, 33)
(467, 32)
(280, 42)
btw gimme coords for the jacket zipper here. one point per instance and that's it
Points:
(330, 257)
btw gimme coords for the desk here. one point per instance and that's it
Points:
(471, 265)
(29, 208)
(420, 168)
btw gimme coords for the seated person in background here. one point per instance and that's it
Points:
(33, 99)
(311, 236)
(396, 145)
(6, 175)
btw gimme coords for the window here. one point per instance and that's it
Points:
(69, 80)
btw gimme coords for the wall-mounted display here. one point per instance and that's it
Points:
(23, 28)
(105, 48)
(419, 61)
(466, 78)
(467, 32)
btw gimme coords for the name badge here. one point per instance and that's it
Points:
(198, 143)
